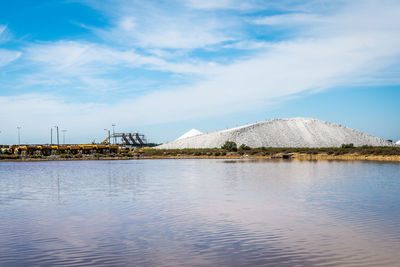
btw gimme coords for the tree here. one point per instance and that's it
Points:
(351, 145)
(244, 147)
(229, 146)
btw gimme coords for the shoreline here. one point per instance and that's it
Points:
(277, 156)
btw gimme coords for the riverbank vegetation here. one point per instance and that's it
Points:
(269, 151)
(347, 151)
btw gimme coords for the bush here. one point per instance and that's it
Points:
(340, 152)
(347, 145)
(9, 156)
(229, 146)
(244, 147)
(67, 156)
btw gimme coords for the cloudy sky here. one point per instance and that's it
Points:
(164, 67)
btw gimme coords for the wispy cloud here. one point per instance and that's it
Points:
(328, 48)
(6, 55)
(296, 19)
(4, 35)
(93, 65)
(172, 25)
(222, 4)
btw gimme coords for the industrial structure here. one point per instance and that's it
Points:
(127, 139)
(114, 143)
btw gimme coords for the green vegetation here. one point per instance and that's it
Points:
(228, 149)
(9, 156)
(229, 146)
(268, 151)
(243, 147)
(66, 156)
(180, 152)
(347, 145)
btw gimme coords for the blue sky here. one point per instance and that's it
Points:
(164, 67)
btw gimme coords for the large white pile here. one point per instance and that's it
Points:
(398, 143)
(190, 133)
(295, 132)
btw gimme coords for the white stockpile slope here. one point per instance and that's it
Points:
(190, 133)
(398, 143)
(294, 132)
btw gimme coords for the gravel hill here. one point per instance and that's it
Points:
(293, 132)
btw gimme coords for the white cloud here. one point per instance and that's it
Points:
(295, 19)
(26, 110)
(250, 45)
(78, 57)
(169, 25)
(66, 62)
(167, 33)
(221, 4)
(6, 55)
(127, 23)
(4, 35)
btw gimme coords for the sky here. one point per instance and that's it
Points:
(165, 67)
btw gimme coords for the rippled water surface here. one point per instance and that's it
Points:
(199, 213)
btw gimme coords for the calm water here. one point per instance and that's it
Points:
(199, 213)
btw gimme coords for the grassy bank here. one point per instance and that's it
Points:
(342, 153)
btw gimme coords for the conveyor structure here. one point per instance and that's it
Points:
(128, 139)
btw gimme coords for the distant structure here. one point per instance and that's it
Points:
(127, 139)
(190, 133)
(291, 132)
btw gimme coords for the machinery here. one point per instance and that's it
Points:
(127, 139)
(124, 142)
(47, 150)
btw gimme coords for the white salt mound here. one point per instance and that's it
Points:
(294, 132)
(190, 133)
(398, 143)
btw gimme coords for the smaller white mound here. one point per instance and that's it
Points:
(190, 133)
(398, 143)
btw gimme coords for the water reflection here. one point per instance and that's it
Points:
(199, 212)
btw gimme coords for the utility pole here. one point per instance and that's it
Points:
(64, 131)
(19, 135)
(51, 136)
(113, 125)
(109, 136)
(58, 140)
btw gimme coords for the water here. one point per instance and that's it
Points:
(199, 213)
